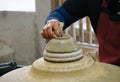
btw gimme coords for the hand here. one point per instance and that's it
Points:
(51, 28)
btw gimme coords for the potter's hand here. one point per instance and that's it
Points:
(51, 29)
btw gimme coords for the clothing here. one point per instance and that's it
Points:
(108, 34)
(73, 10)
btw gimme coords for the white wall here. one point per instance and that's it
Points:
(43, 8)
(21, 31)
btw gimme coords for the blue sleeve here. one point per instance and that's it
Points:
(61, 15)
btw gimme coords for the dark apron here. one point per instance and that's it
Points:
(108, 34)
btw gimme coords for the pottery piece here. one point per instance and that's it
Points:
(83, 70)
(61, 64)
(62, 44)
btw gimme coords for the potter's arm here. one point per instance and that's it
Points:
(68, 13)
(61, 15)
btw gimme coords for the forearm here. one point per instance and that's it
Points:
(69, 12)
(61, 15)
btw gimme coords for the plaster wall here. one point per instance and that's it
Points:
(21, 32)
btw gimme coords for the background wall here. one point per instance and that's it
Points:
(21, 32)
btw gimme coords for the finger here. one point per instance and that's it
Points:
(49, 30)
(42, 34)
(56, 29)
(45, 33)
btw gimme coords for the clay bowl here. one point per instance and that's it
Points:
(62, 44)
